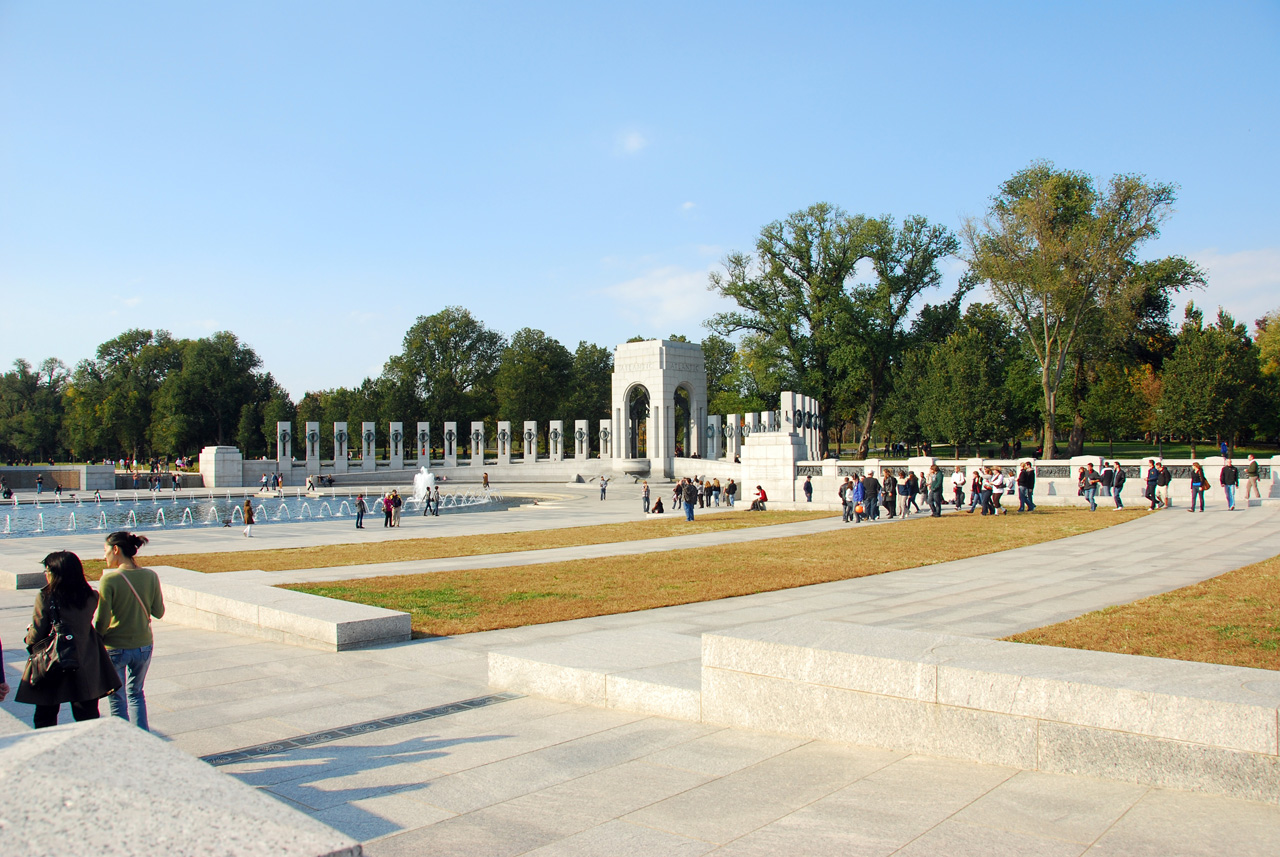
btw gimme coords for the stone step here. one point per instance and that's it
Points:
(645, 671)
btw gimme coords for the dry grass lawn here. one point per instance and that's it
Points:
(460, 602)
(401, 550)
(1233, 619)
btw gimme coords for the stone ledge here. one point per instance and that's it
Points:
(650, 672)
(21, 579)
(250, 605)
(1202, 727)
(104, 787)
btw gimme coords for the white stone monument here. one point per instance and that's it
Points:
(659, 367)
(395, 434)
(556, 435)
(529, 441)
(312, 445)
(504, 441)
(368, 447)
(477, 443)
(450, 444)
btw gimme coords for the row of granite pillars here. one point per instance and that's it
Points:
(562, 446)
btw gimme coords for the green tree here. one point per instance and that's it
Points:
(31, 410)
(533, 378)
(201, 401)
(591, 384)
(792, 295)
(1056, 253)
(110, 400)
(449, 361)
(1212, 381)
(1113, 408)
(905, 262)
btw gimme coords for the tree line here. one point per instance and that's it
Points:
(1076, 342)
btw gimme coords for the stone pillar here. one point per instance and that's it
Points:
(340, 445)
(787, 404)
(368, 447)
(771, 421)
(312, 446)
(424, 444)
(395, 436)
(450, 444)
(284, 446)
(733, 436)
(221, 467)
(1274, 482)
(606, 438)
(477, 443)
(558, 439)
(581, 439)
(529, 441)
(715, 436)
(504, 442)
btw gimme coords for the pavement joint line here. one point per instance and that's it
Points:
(325, 736)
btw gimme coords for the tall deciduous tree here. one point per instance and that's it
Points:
(533, 378)
(792, 294)
(1211, 383)
(591, 386)
(1055, 253)
(450, 360)
(906, 263)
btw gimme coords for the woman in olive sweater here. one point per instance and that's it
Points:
(129, 597)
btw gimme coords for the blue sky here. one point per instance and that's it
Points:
(314, 176)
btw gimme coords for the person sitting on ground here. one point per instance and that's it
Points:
(757, 505)
(657, 507)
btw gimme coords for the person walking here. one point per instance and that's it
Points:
(808, 489)
(1026, 487)
(889, 493)
(1118, 484)
(248, 518)
(689, 495)
(730, 491)
(958, 481)
(128, 598)
(858, 500)
(1251, 474)
(1228, 479)
(644, 496)
(845, 493)
(1199, 484)
(435, 501)
(935, 491)
(361, 508)
(1090, 480)
(715, 492)
(67, 601)
(1108, 477)
(1164, 479)
(1153, 476)
(39, 484)
(872, 502)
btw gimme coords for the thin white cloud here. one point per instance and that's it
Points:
(689, 206)
(632, 142)
(1245, 283)
(668, 299)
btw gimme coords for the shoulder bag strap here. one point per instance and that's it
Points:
(145, 611)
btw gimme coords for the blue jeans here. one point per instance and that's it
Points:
(646, 504)
(1091, 494)
(1231, 496)
(688, 511)
(131, 665)
(1025, 503)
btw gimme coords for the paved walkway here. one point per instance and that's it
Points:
(526, 775)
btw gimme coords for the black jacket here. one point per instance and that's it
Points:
(1230, 476)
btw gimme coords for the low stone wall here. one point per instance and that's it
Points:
(1172, 724)
(72, 477)
(249, 605)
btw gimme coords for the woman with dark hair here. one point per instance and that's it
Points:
(129, 596)
(69, 600)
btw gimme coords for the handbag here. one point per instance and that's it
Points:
(56, 653)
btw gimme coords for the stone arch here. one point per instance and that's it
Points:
(661, 366)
